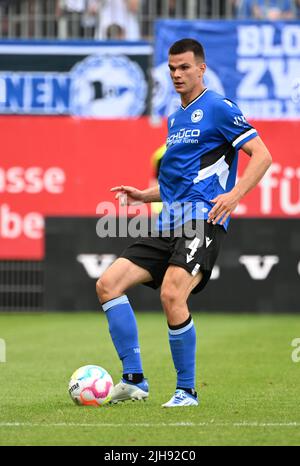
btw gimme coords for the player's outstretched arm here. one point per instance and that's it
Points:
(258, 165)
(132, 196)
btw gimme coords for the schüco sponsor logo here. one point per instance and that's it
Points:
(184, 135)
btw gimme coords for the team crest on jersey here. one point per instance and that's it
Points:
(197, 115)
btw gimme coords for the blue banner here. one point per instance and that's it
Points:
(255, 64)
(84, 79)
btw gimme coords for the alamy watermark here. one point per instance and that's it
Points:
(296, 353)
(2, 350)
(176, 220)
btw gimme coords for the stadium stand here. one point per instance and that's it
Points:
(80, 18)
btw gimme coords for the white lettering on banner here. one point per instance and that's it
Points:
(30, 180)
(269, 62)
(269, 108)
(286, 195)
(259, 267)
(248, 41)
(282, 72)
(259, 40)
(285, 185)
(33, 180)
(267, 184)
(95, 264)
(13, 225)
(249, 85)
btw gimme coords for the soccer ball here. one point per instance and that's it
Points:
(91, 386)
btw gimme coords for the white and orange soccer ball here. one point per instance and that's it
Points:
(91, 386)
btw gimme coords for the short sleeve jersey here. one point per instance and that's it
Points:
(202, 152)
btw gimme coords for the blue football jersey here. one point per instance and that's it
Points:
(202, 153)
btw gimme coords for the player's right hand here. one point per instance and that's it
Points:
(128, 195)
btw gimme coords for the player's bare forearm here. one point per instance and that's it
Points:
(259, 163)
(152, 194)
(130, 195)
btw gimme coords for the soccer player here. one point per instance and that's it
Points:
(199, 167)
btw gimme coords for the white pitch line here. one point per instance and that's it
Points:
(175, 424)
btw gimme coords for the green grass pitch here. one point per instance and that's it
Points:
(247, 382)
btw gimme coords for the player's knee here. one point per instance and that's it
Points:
(169, 296)
(103, 290)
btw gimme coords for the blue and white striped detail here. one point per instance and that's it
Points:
(219, 168)
(238, 142)
(182, 330)
(115, 302)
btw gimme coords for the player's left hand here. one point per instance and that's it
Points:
(224, 206)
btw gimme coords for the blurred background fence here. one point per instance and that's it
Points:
(74, 19)
(79, 19)
(21, 285)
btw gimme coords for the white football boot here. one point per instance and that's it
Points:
(181, 398)
(128, 391)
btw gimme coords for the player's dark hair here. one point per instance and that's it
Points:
(188, 45)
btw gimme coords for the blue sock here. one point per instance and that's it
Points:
(124, 333)
(183, 348)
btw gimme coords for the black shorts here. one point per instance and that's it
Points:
(195, 254)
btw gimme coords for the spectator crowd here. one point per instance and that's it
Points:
(123, 19)
(133, 19)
